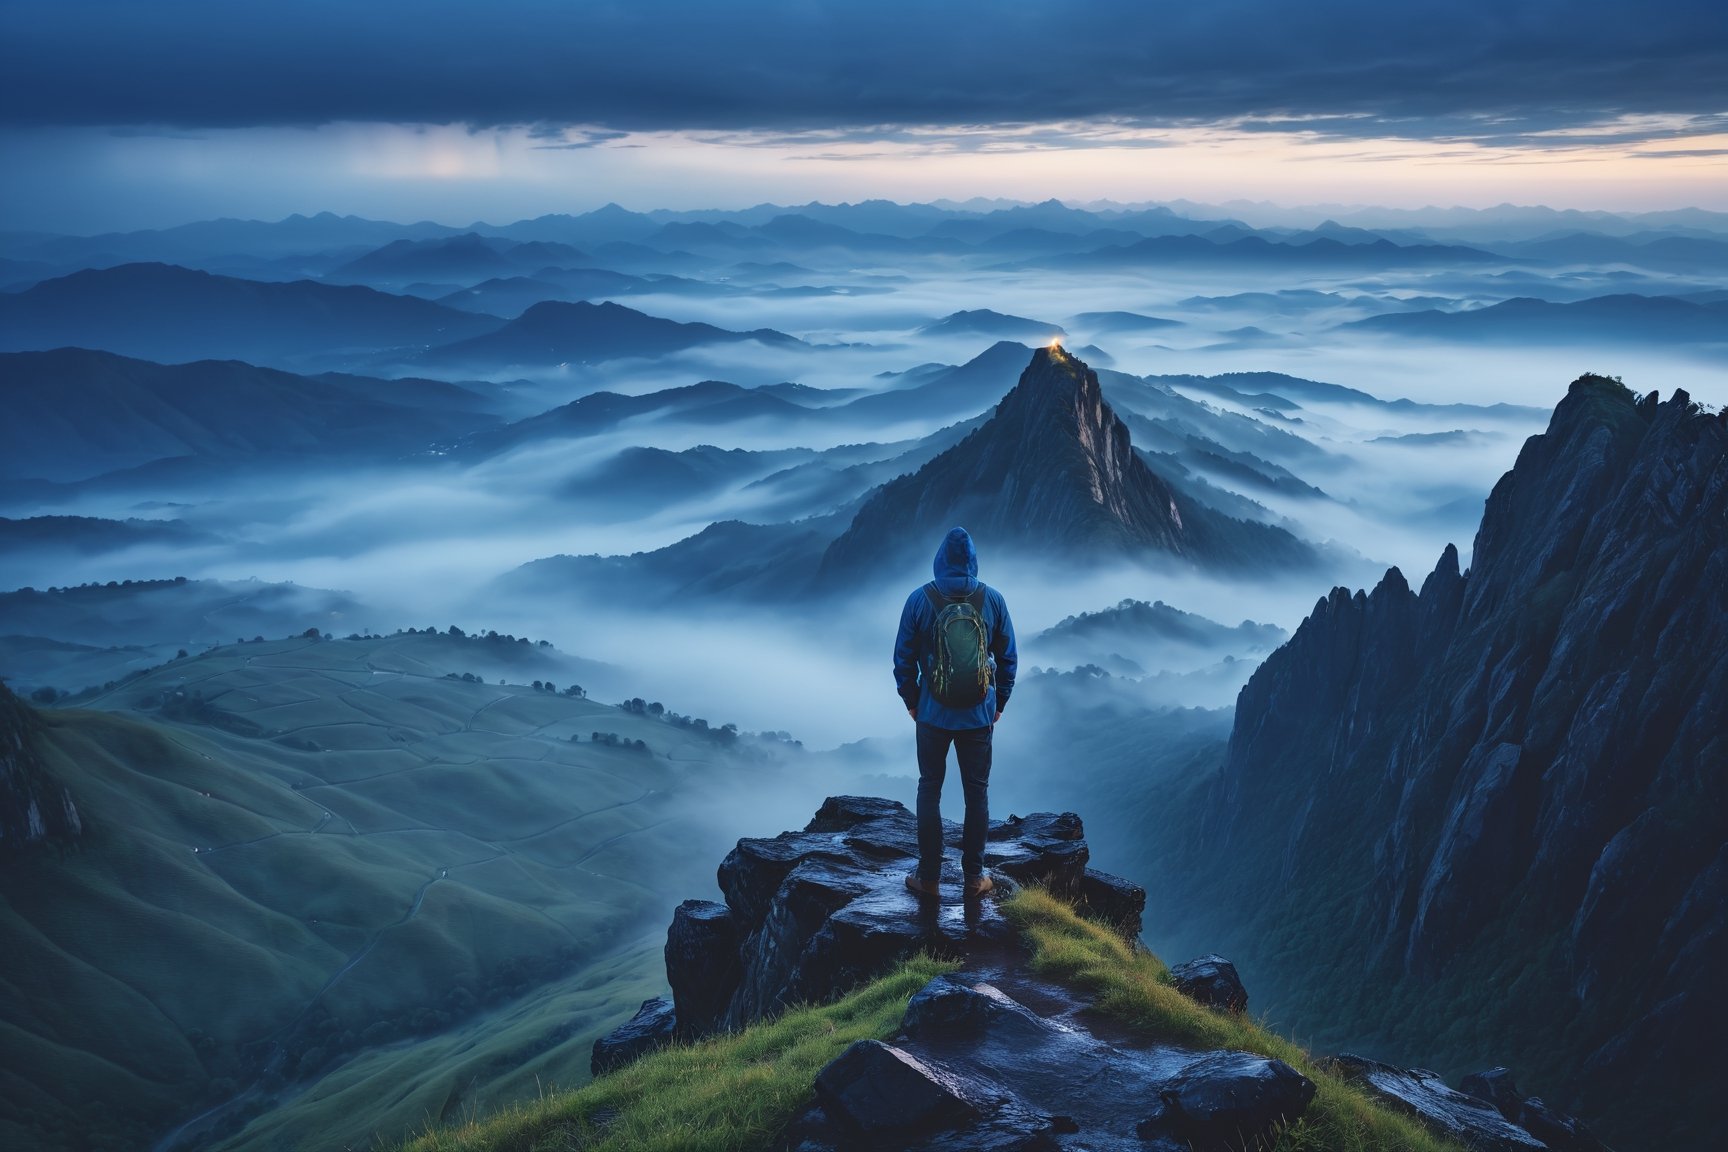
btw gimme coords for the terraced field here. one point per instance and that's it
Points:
(299, 851)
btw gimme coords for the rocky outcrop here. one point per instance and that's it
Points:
(35, 809)
(1474, 1123)
(1053, 469)
(1488, 1115)
(975, 1068)
(811, 914)
(1531, 752)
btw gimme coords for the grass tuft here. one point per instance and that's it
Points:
(1134, 986)
(731, 1093)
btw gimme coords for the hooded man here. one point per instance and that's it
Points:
(954, 666)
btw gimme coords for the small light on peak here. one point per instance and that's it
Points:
(1055, 343)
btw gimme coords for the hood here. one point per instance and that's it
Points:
(956, 565)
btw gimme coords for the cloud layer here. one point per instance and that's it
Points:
(1422, 68)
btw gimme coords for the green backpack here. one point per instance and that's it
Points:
(960, 669)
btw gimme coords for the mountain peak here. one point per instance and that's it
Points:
(1053, 469)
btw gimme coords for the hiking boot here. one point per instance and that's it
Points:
(978, 885)
(921, 886)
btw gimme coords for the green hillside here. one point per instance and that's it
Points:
(296, 851)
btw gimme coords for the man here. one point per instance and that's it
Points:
(954, 666)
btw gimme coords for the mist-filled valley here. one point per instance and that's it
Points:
(406, 616)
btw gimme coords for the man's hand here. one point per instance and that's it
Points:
(912, 712)
(998, 719)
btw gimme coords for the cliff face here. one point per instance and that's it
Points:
(1534, 751)
(34, 809)
(1052, 469)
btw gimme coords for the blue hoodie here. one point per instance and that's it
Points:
(956, 572)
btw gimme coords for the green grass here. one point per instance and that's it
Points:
(1134, 986)
(140, 973)
(729, 1094)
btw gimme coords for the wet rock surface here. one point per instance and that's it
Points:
(702, 964)
(1002, 1061)
(649, 1029)
(1471, 1121)
(1229, 1100)
(811, 914)
(1211, 980)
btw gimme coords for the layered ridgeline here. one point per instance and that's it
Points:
(1495, 811)
(1053, 471)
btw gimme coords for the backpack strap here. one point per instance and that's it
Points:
(937, 600)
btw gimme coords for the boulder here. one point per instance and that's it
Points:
(946, 1010)
(1211, 980)
(1227, 1102)
(1497, 1088)
(652, 1027)
(875, 1088)
(1112, 899)
(702, 964)
(1472, 1122)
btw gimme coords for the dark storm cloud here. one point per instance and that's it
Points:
(1342, 67)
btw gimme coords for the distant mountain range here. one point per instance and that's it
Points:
(464, 259)
(1254, 250)
(165, 313)
(877, 225)
(1623, 318)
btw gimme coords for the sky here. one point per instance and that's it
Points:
(120, 114)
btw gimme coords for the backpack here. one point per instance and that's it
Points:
(960, 670)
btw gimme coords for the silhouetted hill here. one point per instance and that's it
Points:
(638, 481)
(1121, 323)
(1510, 780)
(946, 392)
(984, 322)
(166, 313)
(1052, 470)
(729, 559)
(464, 259)
(1136, 621)
(1631, 318)
(556, 333)
(75, 413)
(91, 534)
(709, 402)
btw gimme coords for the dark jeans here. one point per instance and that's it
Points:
(972, 755)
